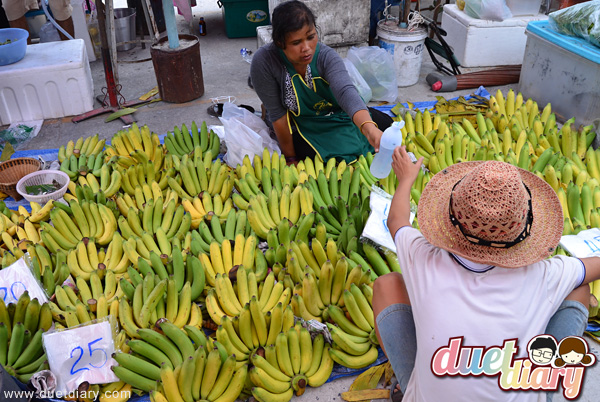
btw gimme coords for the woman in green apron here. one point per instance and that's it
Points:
(311, 103)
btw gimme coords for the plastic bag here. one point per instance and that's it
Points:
(581, 20)
(377, 68)
(245, 134)
(494, 10)
(49, 33)
(364, 90)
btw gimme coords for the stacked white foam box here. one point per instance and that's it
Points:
(52, 80)
(484, 43)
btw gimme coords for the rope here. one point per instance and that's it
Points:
(414, 20)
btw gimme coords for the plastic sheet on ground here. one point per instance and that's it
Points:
(481, 91)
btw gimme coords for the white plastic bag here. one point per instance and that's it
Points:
(364, 90)
(494, 10)
(245, 134)
(377, 67)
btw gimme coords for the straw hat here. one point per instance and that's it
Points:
(491, 212)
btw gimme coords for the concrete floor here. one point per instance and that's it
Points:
(225, 73)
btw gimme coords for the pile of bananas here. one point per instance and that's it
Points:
(167, 240)
(294, 361)
(21, 328)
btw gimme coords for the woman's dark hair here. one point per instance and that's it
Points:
(290, 17)
(543, 343)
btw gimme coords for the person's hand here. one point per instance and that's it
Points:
(373, 135)
(405, 169)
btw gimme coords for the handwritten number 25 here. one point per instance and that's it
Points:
(81, 353)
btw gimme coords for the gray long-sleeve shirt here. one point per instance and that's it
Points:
(268, 78)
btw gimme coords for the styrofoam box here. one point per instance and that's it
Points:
(341, 23)
(561, 70)
(52, 80)
(524, 7)
(263, 36)
(484, 43)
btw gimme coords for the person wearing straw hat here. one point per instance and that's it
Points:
(478, 269)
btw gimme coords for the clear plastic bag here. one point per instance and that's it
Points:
(494, 10)
(364, 90)
(581, 20)
(377, 67)
(245, 134)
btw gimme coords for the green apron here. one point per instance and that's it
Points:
(320, 119)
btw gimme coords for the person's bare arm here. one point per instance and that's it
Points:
(284, 136)
(407, 172)
(592, 269)
(369, 129)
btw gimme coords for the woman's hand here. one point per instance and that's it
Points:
(405, 169)
(373, 135)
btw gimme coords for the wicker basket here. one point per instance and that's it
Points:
(12, 171)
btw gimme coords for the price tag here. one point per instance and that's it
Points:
(376, 228)
(81, 354)
(585, 244)
(16, 279)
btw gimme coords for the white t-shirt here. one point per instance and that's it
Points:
(450, 298)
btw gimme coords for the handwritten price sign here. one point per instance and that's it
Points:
(585, 244)
(81, 354)
(16, 279)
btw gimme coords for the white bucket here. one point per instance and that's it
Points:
(406, 47)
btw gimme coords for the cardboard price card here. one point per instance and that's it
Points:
(81, 354)
(16, 279)
(584, 244)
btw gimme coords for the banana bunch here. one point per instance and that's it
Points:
(594, 306)
(148, 300)
(292, 363)
(222, 257)
(93, 299)
(155, 229)
(21, 328)
(82, 146)
(135, 145)
(182, 141)
(152, 350)
(205, 376)
(199, 174)
(89, 220)
(50, 270)
(151, 182)
(223, 299)
(83, 191)
(83, 156)
(208, 207)
(235, 227)
(244, 335)
(117, 391)
(354, 340)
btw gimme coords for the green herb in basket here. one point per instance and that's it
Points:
(41, 189)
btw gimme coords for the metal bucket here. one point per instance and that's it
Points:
(178, 71)
(406, 47)
(125, 28)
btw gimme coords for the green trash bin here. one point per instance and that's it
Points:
(242, 17)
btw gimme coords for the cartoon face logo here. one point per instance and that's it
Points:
(542, 349)
(573, 350)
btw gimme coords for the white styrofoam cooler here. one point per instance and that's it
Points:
(52, 80)
(484, 43)
(561, 70)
